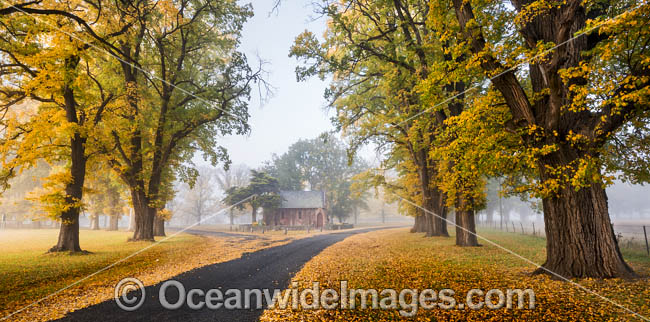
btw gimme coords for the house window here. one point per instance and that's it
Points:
(299, 215)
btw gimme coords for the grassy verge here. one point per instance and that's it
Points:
(28, 273)
(398, 260)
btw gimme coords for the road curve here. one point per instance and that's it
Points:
(270, 268)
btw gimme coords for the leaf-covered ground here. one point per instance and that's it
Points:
(398, 259)
(28, 273)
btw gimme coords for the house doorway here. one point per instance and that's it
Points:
(319, 219)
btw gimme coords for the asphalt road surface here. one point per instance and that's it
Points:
(270, 268)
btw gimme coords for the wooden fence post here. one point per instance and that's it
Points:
(645, 234)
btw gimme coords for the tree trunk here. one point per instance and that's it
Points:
(131, 220)
(158, 225)
(254, 215)
(144, 217)
(428, 224)
(68, 234)
(580, 240)
(441, 210)
(466, 236)
(94, 222)
(69, 231)
(465, 221)
(115, 212)
(113, 222)
(143, 229)
(419, 226)
(436, 224)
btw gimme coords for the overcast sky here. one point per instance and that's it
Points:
(296, 110)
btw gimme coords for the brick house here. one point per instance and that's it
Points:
(299, 208)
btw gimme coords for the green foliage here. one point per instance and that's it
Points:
(53, 93)
(322, 164)
(377, 54)
(587, 128)
(262, 192)
(104, 192)
(195, 91)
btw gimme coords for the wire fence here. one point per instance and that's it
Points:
(629, 237)
(633, 237)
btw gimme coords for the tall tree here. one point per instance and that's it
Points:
(196, 88)
(261, 192)
(54, 98)
(322, 164)
(234, 176)
(377, 52)
(104, 195)
(201, 198)
(585, 84)
(285, 168)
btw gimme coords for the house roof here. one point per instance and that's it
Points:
(302, 199)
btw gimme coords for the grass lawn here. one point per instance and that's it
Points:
(28, 273)
(398, 259)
